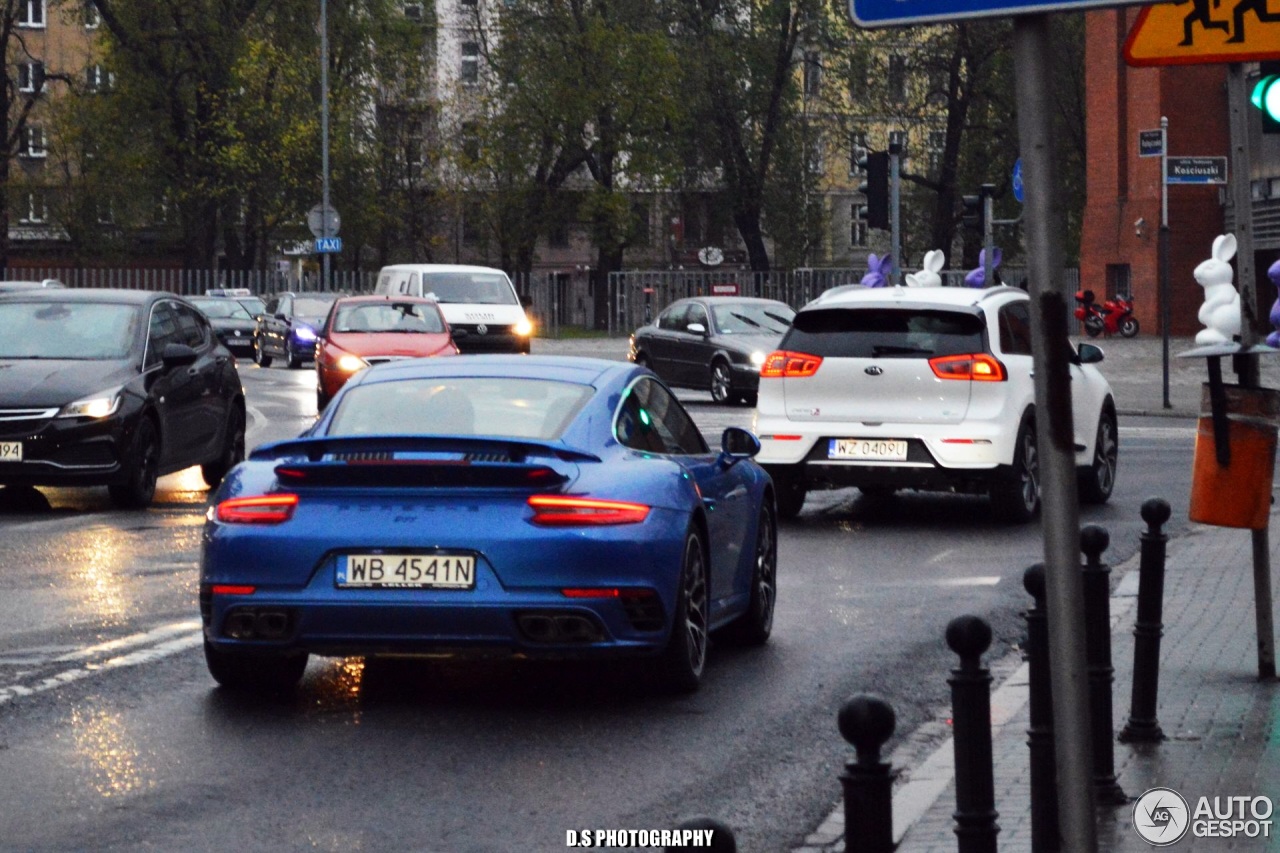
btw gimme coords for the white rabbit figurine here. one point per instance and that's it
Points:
(930, 267)
(1220, 312)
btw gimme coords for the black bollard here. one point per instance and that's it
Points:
(975, 814)
(1097, 644)
(722, 840)
(867, 721)
(1143, 727)
(1045, 837)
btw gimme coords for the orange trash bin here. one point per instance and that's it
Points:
(1239, 494)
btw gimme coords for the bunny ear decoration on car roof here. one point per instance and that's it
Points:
(877, 270)
(1273, 339)
(931, 265)
(978, 277)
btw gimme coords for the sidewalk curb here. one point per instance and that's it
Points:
(917, 788)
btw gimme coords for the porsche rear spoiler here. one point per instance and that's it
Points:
(418, 461)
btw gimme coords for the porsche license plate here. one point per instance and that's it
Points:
(10, 451)
(407, 571)
(868, 449)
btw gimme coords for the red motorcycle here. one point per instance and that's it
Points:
(1111, 317)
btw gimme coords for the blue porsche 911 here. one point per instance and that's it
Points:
(528, 506)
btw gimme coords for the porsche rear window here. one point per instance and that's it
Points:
(460, 405)
(885, 333)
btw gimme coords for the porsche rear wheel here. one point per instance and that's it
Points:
(257, 673)
(754, 626)
(682, 661)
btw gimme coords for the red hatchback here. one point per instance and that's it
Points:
(365, 330)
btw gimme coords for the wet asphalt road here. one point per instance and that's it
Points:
(113, 736)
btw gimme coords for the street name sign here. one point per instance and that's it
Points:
(328, 245)
(1200, 32)
(888, 13)
(1150, 143)
(1196, 170)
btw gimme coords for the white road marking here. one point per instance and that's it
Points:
(1160, 432)
(173, 639)
(980, 580)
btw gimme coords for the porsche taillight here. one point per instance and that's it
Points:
(978, 367)
(259, 509)
(561, 511)
(788, 365)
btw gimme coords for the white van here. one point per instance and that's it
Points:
(479, 303)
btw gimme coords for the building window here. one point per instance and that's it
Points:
(812, 72)
(467, 3)
(413, 11)
(936, 143)
(857, 152)
(30, 76)
(36, 212)
(470, 62)
(31, 13)
(97, 79)
(817, 157)
(857, 225)
(470, 141)
(32, 144)
(92, 20)
(558, 234)
(897, 78)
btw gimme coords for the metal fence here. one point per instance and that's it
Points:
(560, 300)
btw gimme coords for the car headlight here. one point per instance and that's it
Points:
(97, 406)
(304, 333)
(757, 358)
(524, 328)
(351, 363)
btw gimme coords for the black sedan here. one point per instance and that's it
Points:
(289, 327)
(114, 388)
(231, 322)
(714, 343)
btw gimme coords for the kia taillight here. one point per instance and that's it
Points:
(789, 365)
(259, 509)
(557, 511)
(978, 367)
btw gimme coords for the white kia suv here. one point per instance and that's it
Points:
(924, 388)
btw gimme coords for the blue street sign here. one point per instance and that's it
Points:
(1017, 180)
(885, 13)
(1150, 143)
(328, 244)
(1196, 170)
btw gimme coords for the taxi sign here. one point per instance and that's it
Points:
(1198, 32)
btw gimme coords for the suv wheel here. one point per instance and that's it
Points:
(1017, 499)
(791, 490)
(1098, 480)
(294, 360)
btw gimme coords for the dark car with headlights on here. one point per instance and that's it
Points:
(231, 322)
(113, 388)
(713, 343)
(289, 326)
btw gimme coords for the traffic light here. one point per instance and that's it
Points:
(876, 188)
(974, 213)
(1266, 96)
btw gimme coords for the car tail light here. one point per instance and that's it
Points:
(260, 509)
(606, 592)
(789, 365)
(233, 589)
(979, 367)
(556, 511)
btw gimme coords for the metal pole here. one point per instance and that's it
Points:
(1162, 254)
(1148, 628)
(324, 134)
(1097, 592)
(895, 197)
(988, 238)
(975, 814)
(1247, 368)
(1056, 444)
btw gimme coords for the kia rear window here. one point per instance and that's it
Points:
(885, 333)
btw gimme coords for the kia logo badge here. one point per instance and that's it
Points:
(482, 329)
(874, 370)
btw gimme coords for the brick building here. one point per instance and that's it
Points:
(1118, 250)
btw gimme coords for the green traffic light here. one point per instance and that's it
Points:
(1266, 96)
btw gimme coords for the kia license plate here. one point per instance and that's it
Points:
(868, 449)
(406, 571)
(10, 451)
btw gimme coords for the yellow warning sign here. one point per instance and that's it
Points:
(1195, 32)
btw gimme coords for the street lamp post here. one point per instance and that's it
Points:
(324, 135)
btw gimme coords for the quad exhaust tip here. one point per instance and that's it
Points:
(569, 628)
(257, 624)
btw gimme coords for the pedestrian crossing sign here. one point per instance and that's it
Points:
(1196, 32)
